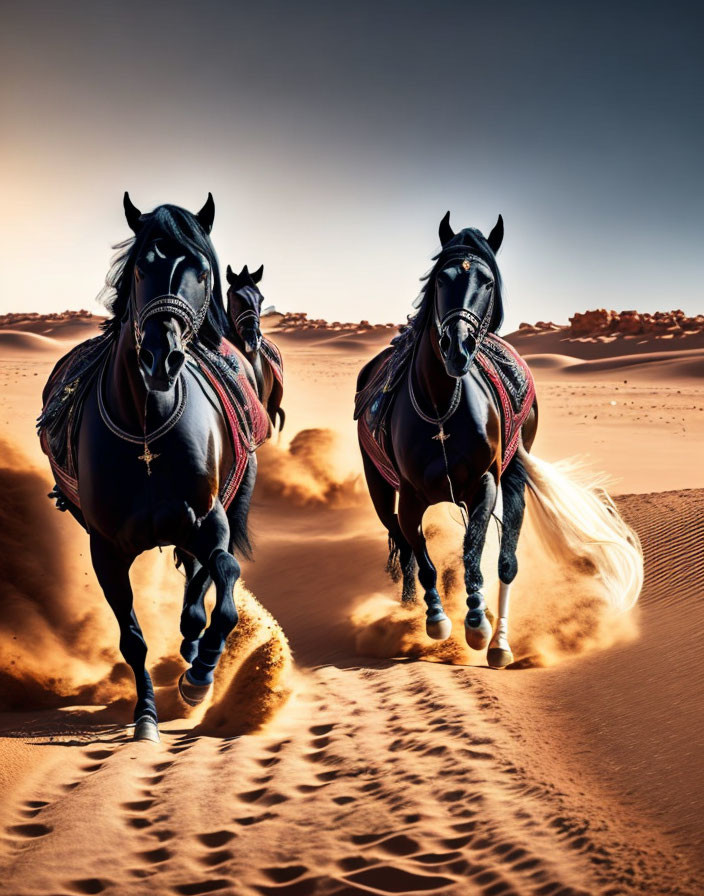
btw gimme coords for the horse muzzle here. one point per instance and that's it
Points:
(161, 356)
(458, 348)
(252, 338)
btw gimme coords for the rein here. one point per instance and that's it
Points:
(192, 320)
(478, 328)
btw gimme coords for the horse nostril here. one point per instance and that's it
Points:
(174, 362)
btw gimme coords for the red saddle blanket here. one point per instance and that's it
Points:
(70, 381)
(501, 366)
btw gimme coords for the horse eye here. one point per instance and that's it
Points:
(203, 275)
(138, 274)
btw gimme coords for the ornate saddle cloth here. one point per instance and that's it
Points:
(65, 392)
(500, 365)
(270, 352)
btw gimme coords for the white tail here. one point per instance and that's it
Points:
(575, 516)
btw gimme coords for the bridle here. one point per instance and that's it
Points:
(247, 314)
(478, 326)
(190, 317)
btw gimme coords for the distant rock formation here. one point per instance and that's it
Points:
(16, 320)
(601, 322)
(299, 320)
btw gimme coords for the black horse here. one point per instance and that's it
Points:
(244, 308)
(153, 446)
(443, 440)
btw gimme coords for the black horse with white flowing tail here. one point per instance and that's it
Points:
(448, 413)
(151, 430)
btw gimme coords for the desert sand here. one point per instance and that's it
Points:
(343, 752)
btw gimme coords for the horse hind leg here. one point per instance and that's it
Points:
(410, 514)
(476, 627)
(401, 564)
(112, 569)
(513, 484)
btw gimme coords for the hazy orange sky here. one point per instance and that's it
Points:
(335, 137)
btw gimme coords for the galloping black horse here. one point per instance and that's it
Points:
(443, 441)
(154, 449)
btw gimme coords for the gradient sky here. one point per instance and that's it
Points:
(335, 136)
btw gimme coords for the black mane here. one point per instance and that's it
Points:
(179, 225)
(476, 242)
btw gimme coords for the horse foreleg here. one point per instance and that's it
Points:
(513, 485)
(410, 517)
(476, 626)
(209, 545)
(401, 562)
(193, 616)
(112, 569)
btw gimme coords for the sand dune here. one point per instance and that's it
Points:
(20, 341)
(381, 763)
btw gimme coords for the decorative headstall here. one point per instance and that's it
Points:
(171, 304)
(478, 327)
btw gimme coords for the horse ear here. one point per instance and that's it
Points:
(445, 231)
(244, 273)
(258, 274)
(132, 213)
(231, 276)
(496, 237)
(206, 215)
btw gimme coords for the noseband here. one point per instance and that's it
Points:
(247, 314)
(478, 326)
(168, 303)
(174, 305)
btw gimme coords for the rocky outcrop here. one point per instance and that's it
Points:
(634, 323)
(601, 322)
(13, 320)
(299, 320)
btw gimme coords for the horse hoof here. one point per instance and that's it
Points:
(439, 629)
(498, 657)
(478, 637)
(192, 694)
(145, 728)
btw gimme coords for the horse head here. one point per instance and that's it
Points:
(467, 293)
(244, 305)
(171, 289)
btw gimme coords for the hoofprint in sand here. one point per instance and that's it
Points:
(379, 774)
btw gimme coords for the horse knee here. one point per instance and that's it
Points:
(224, 569)
(508, 568)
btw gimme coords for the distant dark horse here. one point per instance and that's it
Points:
(244, 308)
(444, 442)
(154, 448)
